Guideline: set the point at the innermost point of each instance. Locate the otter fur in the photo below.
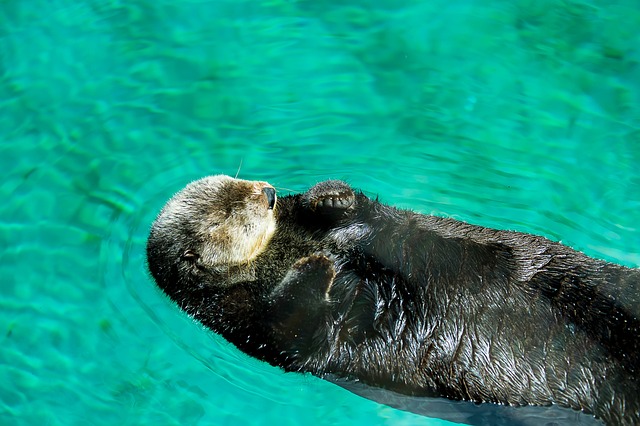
(334, 283)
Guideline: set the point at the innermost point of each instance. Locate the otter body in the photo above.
(333, 283)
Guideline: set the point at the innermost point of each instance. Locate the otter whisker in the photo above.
(239, 167)
(283, 188)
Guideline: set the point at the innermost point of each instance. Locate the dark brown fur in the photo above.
(421, 305)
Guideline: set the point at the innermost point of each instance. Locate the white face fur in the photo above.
(220, 221)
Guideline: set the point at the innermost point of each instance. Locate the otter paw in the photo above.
(300, 305)
(306, 285)
(330, 197)
(316, 267)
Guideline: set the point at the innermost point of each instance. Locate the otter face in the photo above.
(213, 224)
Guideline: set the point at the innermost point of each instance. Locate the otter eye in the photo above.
(190, 256)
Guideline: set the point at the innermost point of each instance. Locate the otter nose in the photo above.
(271, 196)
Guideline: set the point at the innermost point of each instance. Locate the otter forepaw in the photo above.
(308, 282)
(300, 302)
(299, 306)
(318, 269)
(330, 196)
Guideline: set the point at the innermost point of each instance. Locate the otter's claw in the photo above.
(330, 196)
(339, 201)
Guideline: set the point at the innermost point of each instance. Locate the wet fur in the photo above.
(417, 304)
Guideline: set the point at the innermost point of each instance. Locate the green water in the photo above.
(512, 114)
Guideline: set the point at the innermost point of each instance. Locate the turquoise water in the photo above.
(512, 114)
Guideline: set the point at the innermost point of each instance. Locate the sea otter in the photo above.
(332, 282)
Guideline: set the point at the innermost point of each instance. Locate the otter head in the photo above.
(209, 232)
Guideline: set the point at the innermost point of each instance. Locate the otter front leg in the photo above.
(299, 307)
(328, 201)
(329, 197)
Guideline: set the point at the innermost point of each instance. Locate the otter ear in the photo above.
(190, 255)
